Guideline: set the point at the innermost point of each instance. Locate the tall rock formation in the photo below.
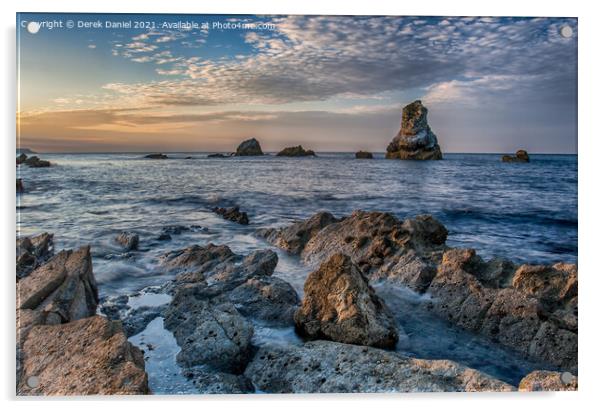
(415, 139)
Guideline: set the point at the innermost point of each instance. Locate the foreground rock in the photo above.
(32, 252)
(531, 309)
(329, 367)
(340, 305)
(233, 214)
(87, 357)
(215, 295)
(521, 157)
(363, 155)
(415, 139)
(61, 290)
(545, 381)
(35, 162)
(156, 156)
(128, 240)
(296, 151)
(250, 147)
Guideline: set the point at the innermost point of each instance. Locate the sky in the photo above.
(330, 83)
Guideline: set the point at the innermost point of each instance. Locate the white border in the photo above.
(590, 149)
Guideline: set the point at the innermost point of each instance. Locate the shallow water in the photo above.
(525, 212)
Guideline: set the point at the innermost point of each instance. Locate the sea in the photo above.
(526, 212)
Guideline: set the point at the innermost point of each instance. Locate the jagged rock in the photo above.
(86, 357)
(382, 246)
(128, 240)
(61, 290)
(250, 147)
(296, 151)
(521, 157)
(156, 156)
(233, 214)
(19, 187)
(35, 162)
(21, 158)
(210, 382)
(340, 305)
(269, 299)
(32, 252)
(544, 381)
(363, 155)
(293, 238)
(553, 285)
(415, 139)
(195, 258)
(209, 332)
(330, 367)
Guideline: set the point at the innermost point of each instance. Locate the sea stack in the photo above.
(415, 139)
(250, 147)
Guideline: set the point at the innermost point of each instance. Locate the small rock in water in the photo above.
(250, 147)
(156, 156)
(233, 214)
(21, 158)
(35, 162)
(128, 240)
(521, 157)
(363, 155)
(221, 155)
(32, 252)
(296, 151)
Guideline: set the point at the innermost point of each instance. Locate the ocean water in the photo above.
(524, 212)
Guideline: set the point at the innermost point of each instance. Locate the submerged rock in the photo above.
(35, 162)
(233, 214)
(296, 151)
(156, 156)
(330, 367)
(340, 305)
(250, 147)
(128, 240)
(363, 155)
(20, 188)
(86, 357)
(415, 139)
(32, 252)
(521, 156)
(546, 381)
(219, 155)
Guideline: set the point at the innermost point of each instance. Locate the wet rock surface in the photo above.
(250, 147)
(36, 162)
(330, 367)
(128, 240)
(530, 309)
(521, 156)
(340, 305)
(547, 381)
(415, 139)
(86, 357)
(296, 151)
(233, 214)
(32, 252)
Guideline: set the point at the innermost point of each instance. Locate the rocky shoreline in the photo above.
(218, 300)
